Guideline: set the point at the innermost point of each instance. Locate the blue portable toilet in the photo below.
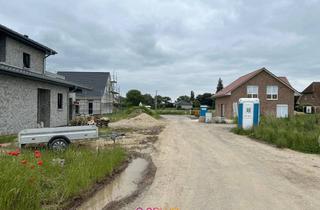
(203, 110)
(248, 112)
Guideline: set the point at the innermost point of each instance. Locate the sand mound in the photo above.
(141, 121)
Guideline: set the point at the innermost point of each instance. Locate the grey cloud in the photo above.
(175, 46)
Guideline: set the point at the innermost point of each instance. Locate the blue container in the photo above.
(248, 112)
(203, 110)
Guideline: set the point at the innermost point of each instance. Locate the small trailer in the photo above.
(57, 138)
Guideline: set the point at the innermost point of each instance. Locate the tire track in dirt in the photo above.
(204, 166)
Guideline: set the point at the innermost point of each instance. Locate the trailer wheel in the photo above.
(58, 144)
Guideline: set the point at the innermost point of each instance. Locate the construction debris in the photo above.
(103, 122)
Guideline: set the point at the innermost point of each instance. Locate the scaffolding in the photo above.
(115, 90)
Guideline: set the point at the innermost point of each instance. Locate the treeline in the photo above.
(135, 98)
(201, 99)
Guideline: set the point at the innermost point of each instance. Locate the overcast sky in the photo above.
(175, 46)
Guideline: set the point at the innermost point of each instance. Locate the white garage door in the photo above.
(282, 110)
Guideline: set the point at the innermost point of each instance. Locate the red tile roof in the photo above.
(235, 84)
(285, 80)
(313, 87)
(241, 80)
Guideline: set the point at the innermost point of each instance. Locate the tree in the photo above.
(183, 98)
(192, 96)
(205, 99)
(167, 101)
(170, 105)
(160, 103)
(220, 85)
(163, 101)
(134, 97)
(147, 99)
(196, 103)
(213, 103)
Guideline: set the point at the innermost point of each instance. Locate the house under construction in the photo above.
(102, 99)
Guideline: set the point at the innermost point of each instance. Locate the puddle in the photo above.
(124, 185)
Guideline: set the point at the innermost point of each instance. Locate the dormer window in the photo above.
(26, 60)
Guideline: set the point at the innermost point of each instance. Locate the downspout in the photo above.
(44, 61)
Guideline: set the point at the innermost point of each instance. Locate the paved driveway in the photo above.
(204, 166)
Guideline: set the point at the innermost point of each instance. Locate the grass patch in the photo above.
(130, 113)
(30, 186)
(172, 112)
(8, 138)
(299, 133)
(242, 132)
(105, 131)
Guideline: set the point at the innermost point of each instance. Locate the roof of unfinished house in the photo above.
(243, 79)
(47, 77)
(97, 81)
(25, 39)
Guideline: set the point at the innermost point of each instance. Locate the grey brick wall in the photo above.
(2, 47)
(18, 104)
(14, 55)
(84, 106)
(99, 106)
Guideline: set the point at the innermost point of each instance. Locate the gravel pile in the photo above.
(141, 121)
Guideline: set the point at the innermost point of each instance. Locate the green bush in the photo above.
(27, 185)
(300, 132)
(243, 132)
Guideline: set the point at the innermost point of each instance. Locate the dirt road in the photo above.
(204, 166)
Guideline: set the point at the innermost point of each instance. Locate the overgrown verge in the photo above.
(7, 138)
(172, 112)
(30, 181)
(299, 133)
(130, 113)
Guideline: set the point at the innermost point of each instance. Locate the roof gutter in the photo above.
(224, 95)
(40, 77)
(25, 39)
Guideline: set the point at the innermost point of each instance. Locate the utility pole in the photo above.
(156, 101)
(119, 99)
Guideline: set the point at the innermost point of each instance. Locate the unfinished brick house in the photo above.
(276, 95)
(310, 98)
